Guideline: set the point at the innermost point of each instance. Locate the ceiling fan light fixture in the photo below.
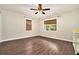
(40, 9)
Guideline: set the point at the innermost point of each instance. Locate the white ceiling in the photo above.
(55, 9)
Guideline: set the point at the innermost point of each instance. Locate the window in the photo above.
(50, 25)
(28, 24)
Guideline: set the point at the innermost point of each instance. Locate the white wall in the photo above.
(14, 26)
(0, 28)
(65, 25)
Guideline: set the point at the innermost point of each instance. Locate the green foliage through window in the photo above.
(50, 25)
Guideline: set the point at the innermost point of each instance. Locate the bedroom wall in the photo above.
(14, 26)
(0, 28)
(66, 23)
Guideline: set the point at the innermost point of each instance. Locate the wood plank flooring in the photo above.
(36, 46)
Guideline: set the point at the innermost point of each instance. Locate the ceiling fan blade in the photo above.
(43, 12)
(46, 9)
(33, 9)
(36, 12)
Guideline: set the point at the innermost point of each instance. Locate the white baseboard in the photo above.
(64, 39)
(59, 38)
(14, 38)
(33, 36)
(11, 39)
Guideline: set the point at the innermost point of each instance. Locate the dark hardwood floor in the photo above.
(36, 46)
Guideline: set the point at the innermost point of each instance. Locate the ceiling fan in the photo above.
(40, 9)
